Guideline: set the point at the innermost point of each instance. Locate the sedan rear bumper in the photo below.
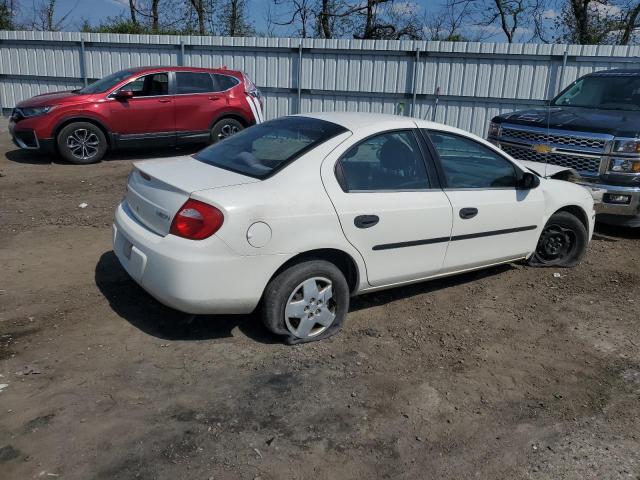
(199, 277)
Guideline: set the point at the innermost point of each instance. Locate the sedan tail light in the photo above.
(196, 220)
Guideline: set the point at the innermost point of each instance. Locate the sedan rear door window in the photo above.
(262, 150)
(193, 82)
(389, 161)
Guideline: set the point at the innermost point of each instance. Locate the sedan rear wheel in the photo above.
(562, 243)
(311, 308)
(307, 301)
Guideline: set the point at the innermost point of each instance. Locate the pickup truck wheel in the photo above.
(306, 302)
(82, 143)
(225, 128)
(563, 242)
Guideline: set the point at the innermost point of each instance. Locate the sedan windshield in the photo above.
(107, 82)
(608, 92)
(262, 150)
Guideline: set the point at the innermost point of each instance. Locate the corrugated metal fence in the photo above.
(458, 83)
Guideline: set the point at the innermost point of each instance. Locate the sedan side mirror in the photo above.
(123, 95)
(528, 181)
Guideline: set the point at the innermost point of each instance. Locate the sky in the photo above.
(96, 10)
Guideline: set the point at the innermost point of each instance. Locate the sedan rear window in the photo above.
(262, 150)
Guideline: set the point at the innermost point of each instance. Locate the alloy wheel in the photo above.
(227, 130)
(311, 308)
(83, 144)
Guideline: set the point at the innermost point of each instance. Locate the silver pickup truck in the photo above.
(592, 127)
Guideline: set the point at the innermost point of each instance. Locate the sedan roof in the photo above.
(366, 120)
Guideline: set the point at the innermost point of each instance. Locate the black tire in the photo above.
(563, 242)
(287, 285)
(225, 128)
(82, 143)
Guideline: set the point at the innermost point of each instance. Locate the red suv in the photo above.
(138, 106)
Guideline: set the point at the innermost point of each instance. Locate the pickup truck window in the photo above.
(607, 92)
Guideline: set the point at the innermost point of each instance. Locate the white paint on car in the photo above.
(304, 209)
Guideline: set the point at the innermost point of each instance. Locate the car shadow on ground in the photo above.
(382, 297)
(144, 312)
(28, 157)
(610, 233)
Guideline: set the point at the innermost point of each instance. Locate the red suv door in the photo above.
(198, 101)
(148, 115)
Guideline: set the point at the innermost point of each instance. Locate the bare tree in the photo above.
(320, 18)
(44, 16)
(155, 16)
(325, 17)
(132, 12)
(299, 13)
(594, 22)
(378, 19)
(630, 23)
(447, 24)
(233, 20)
(7, 14)
(335, 18)
(512, 16)
(508, 12)
(199, 9)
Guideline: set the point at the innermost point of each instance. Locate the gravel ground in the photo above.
(507, 373)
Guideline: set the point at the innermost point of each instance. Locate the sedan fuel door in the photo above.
(494, 219)
(390, 205)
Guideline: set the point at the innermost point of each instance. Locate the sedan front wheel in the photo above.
(562, 243)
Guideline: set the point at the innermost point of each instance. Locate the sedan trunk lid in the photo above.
(158, 188)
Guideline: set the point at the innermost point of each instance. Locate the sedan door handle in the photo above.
(467, 213)
(365, 221)
(214, 98)
(164, 100)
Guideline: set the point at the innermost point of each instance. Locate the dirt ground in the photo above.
(509, 373)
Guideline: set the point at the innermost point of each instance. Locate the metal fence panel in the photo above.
(462, 84)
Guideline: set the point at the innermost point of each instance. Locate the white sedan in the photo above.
(299, 213)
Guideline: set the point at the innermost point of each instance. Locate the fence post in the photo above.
(562, 69)
(83, 63)
(300, 77)
(414, 84)
(181, 61)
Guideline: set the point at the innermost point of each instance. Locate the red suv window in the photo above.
(149, 85)
(193, 82)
